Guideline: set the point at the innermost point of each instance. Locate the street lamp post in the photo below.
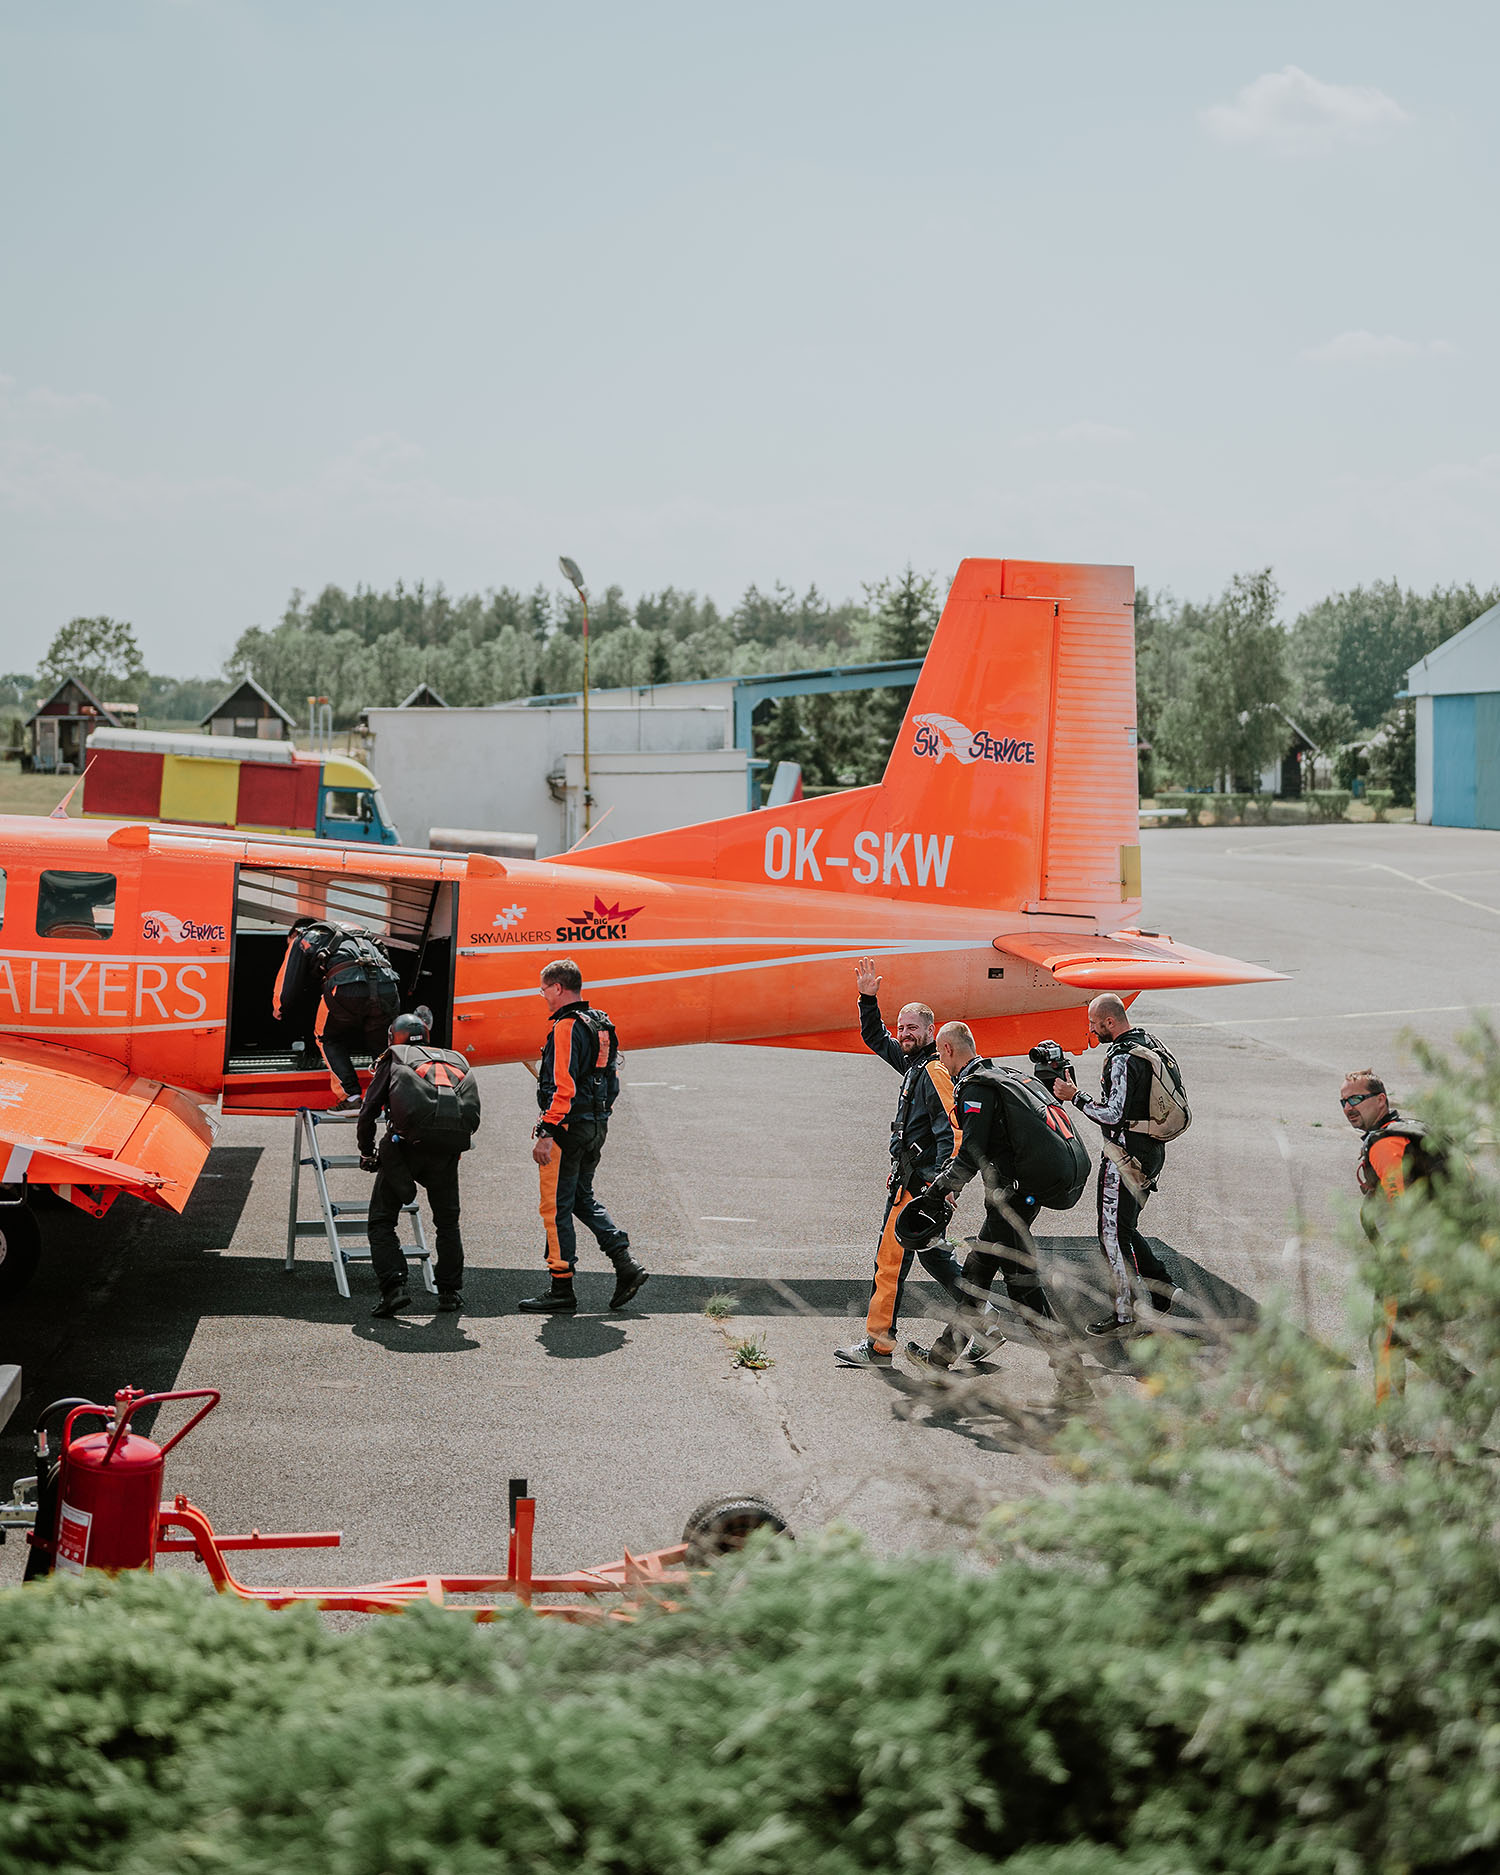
(575, 579)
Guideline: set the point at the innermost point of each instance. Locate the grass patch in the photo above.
(751, 1353)
(720, 1308)
(34, 794)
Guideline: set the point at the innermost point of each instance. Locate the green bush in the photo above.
(1380, 799)
(1194, 804)
(1254, 1632)
(1327, 803)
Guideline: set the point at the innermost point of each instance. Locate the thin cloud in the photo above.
(1373, 348)
(1296, 114)
(1089, 432)
(64, 403)
(1084, 431)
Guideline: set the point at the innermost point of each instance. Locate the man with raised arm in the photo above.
(922, 1141)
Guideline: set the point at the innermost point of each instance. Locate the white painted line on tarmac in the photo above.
(1346, 1015)
(706, 1219)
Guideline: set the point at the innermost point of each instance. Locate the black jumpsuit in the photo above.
(986, 1152)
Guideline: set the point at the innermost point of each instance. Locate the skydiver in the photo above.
(989, 1150)
(357, 991)
(1129, 1166)
(1395, 1155)
(578, 1083)
(431, 1102)
(922, 1140)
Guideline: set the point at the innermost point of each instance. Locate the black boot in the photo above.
(559, 1299)
(629, 1275)
(392, 1302)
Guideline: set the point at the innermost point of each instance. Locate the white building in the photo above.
(518, 768)
(1457, 693)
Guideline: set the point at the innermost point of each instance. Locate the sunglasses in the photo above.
(1356, 1100)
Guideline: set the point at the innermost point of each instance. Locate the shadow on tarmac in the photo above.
(96, 1317)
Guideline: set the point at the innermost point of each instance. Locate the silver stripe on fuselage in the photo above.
(716, 970)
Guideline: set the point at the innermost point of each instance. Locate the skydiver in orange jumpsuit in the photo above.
(1395, 1155)
(922, 1142)
(578, 1083)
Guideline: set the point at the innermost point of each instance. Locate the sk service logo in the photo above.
(597, 926)
(161, 927)
(940, 736)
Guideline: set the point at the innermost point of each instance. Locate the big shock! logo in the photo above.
(942, 736)
(597, 926)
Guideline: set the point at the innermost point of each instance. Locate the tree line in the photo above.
(1223, 686)
(1220, 681)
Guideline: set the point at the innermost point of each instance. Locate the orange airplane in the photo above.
(994, 873)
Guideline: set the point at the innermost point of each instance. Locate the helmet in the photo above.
(921, 1221)
(414, 1027)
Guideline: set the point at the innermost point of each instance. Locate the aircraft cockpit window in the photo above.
(76, 905)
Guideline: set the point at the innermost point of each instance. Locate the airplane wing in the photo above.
(92, 1129)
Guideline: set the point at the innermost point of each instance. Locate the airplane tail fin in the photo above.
(1012, 783)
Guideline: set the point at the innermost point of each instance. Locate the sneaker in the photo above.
(1110, 1327)
(628, 1280)
(555, 1302)
(862, 1354)
(351, 1103)
(1164, 1304)
(938, 1358)
(392, 1303)
(449, 1302)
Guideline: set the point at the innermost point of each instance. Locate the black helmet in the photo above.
(415, 1027)
(921, 1221)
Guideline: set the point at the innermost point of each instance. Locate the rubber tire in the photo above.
(20, 1249)
(723, 1525)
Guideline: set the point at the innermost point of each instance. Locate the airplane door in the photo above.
(179, 930)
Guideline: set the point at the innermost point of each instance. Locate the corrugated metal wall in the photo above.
(1092, 782)
(1466, 760)
(1453, 765)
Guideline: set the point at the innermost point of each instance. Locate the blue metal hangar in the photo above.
(1457, 693)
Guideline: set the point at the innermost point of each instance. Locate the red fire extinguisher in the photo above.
(108, 1486)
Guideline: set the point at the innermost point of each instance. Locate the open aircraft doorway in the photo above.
(273, 1066)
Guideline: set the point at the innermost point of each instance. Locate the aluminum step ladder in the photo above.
(340, 1216)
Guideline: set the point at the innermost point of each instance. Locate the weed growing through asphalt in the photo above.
(720, 1308)
(752, 1354)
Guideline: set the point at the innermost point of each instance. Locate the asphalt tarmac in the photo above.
(757, 1174)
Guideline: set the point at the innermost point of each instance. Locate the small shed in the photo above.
(424, 697)
(60, 726)
(1456, 688)
(1289, 771)
(249, 711)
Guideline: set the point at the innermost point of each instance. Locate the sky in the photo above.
(702, 295)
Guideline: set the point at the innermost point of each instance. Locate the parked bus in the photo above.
(232, 781)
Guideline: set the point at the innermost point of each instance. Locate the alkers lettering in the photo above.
(797, 854)
(104, 990)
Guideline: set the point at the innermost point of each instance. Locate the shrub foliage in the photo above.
(1257, 1629)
